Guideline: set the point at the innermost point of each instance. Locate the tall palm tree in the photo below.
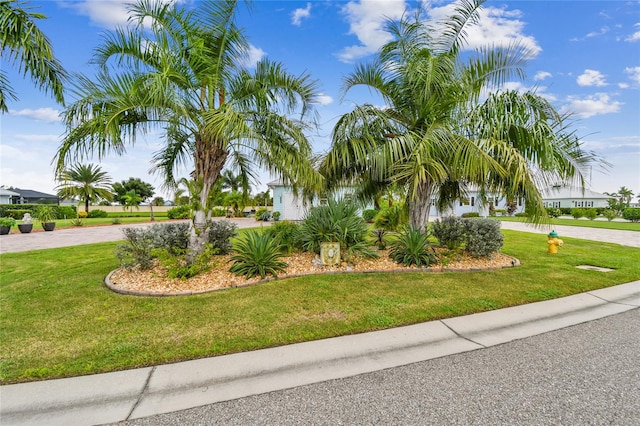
(625, 195)
(439, 134)
(86, 181)
(184, 76)
(23, 43)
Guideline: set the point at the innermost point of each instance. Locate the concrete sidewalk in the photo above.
(130, 394)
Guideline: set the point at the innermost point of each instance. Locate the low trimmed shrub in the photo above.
(257, 254)
(553, 212)
(470, 215)
(220, 234)
(391, 218)
(632, 214)
(577, 213)
(179, 212)
(483, 237)
(218, 212)
(82, 214)
(522, 214)
(591, 214)
(610, 214)
(98, 213)
(262, 214)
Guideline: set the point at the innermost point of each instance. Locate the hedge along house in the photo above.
(569, 197)
(291, 206)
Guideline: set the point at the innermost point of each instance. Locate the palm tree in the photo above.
(131, 199)
(23, 43)
(436, 137)
(625, 195)
(184, 76)
(86, 181)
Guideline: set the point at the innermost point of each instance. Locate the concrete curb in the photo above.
(123, 395)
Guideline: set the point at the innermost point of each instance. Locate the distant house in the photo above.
(6, 196)
(28, 196)
(292, 207)
(569, 197)
(473, 203)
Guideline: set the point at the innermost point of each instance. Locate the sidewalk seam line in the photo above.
(461, 336)
(144, 390)
(612, 301)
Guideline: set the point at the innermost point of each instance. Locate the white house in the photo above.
(473, 203)
(293, 207)
(5, 196)
(569, 197)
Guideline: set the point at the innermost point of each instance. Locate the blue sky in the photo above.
(586, 61)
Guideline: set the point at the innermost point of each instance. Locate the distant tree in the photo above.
(23, 43)
(625, 195)
(131, 199)
(158, 201)
(143, 189)
(85, 181)
(263, 199)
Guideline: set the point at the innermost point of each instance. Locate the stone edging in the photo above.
(514, 262)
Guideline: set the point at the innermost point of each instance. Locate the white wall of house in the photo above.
(567, 197)
(473, 203)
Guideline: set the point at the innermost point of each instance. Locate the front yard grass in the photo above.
(57, 319)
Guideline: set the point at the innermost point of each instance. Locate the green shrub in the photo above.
(577, 213)
(483, 237)
(285, 235)
(590, 214)
(337, 221)
(470, 215)
(522, 214)
(82, 214)
(142, 243)
(275, 215)
(98, 213)
(116, 221)
(7, 221)
(499, 212)
(177, 265)
(46, 213)
(566, 211)
(262, 214)
(218, 212)
(17, 214)
(220, 234)
(77, 221)
(632, 214)
(391, 218)
(179, 212)
(412, 248)
(610, 214)
(369, 215)
(553, 212)
(257, 254)
(450, 231)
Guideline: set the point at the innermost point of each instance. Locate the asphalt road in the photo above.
(587, 374)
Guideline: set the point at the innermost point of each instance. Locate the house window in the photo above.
(473, 200)
(464, 201)
(280, 198)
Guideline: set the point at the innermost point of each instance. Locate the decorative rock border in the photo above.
(107, 281)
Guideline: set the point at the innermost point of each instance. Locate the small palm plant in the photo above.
(412, 248)
(257, 254)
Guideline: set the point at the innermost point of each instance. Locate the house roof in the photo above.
(7, 192)
(29, 193)
(566, 192)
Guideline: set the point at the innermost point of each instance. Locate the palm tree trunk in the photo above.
(209, 159)
(419, 206)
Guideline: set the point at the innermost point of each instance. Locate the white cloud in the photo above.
(635, 36)
(634, 74)
(255, 54)
(366, 21)
(541, 75)
(591, 78)
(602, 31)
(299, 14)
(597, 104)
(48, 115)
(496, 27)
(324, 99)
(106, 13)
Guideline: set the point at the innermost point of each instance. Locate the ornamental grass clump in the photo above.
(285, 234)
(412, 248)
(257, 254)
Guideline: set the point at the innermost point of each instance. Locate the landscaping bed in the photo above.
(155, 281)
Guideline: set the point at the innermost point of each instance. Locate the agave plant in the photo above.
(257, 254)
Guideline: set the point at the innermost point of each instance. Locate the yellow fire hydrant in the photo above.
(554, 242)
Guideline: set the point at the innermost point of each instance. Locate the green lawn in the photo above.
(57, 318)
(605, 224)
